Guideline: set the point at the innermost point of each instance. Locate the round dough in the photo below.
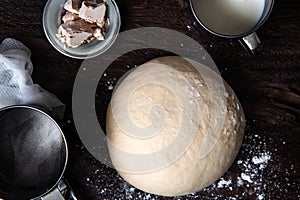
(172, 130)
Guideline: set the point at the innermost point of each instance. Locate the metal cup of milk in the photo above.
(233, 18)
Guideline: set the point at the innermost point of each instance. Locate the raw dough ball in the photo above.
(197, 126)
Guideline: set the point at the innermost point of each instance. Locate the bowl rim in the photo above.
(84, 56)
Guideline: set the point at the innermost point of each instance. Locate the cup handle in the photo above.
(63, 191)
(54, 195)
(251, 43)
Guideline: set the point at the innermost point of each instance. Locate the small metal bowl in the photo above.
(52, 20)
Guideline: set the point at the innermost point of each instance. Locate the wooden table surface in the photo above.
(268, 86)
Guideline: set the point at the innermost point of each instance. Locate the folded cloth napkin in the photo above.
(16, 85)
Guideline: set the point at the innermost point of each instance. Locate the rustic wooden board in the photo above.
(268, 86)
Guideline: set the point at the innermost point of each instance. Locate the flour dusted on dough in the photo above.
(168, 96)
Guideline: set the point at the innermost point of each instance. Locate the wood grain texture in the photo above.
(268, 86)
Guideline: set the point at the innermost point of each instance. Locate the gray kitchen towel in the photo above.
(16, 85)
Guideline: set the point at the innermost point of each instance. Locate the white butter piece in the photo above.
(70, 17)
(93, 14)
(75, 33)
(98, 34)
(83, 22)
(73, 6)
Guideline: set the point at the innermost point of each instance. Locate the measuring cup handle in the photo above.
(251, 43)
(63, 191)
(54, 195)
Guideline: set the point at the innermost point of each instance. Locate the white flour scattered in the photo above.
(261, 197)
(246, 177)
(262, 159)
(252, 171)
(110, 87)
(223, 183)
(253, 167)
(240, 182)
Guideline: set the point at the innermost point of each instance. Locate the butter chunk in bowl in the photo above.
(81, 29)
